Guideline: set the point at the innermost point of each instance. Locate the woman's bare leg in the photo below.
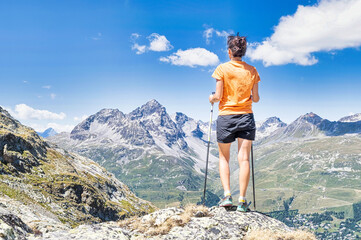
(224, 149)
(244, 149)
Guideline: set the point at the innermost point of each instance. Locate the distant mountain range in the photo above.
(162, 157)
(311, 125)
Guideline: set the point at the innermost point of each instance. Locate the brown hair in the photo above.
(237, 44)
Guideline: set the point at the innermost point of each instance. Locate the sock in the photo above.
(242, 199)
(227, 193)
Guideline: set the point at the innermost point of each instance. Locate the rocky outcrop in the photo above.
(46, 186)
(213, 223)
(12, 227)
(20, 146)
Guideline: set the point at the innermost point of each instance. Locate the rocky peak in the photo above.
(273, 120)
(105, 116)
(48, 133)
(310, 118)
(153, 106)
(353, 118)
(7, 121)
(269, 122)
(109, 115)
(4, 112)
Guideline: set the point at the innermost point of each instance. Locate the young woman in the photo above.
(236, 89)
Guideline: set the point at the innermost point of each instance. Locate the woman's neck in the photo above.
(236, 59)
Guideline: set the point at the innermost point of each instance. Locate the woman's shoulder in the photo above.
(250, 67)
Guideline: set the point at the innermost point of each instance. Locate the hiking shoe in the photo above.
(226, 202)
(244, 207)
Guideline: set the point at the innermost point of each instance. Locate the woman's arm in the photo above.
(219, 92)
(255, 95)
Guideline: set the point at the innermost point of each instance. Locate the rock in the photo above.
(217, 224)
(12, 227)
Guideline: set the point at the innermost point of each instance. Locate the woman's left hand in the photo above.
(211, 98)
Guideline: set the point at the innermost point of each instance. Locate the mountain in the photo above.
(47, 133)
(44, 187)
(353, 118)
(311, 125)
(159, 169)
(311, 161)
(268, 126)
(158, 156)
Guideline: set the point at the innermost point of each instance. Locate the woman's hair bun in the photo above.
(237, 44)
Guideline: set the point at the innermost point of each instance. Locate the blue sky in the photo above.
(63, 60)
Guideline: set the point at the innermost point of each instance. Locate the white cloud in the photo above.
(57, 127)
(208, 34)
(327, 26)
(134, 36)
(159, 43)
(140, 48)
(52, 95)
(82, 118)
(60, 128)
(24, 112)
(192, 57)
(25, 81)
(47, 87)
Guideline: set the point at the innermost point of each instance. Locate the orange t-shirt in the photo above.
(238, 79)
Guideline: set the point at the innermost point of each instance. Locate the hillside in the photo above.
(49, 188)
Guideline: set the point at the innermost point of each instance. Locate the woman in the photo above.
(236, 89)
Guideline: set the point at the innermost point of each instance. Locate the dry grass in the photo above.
(150, 228)
(277, 235)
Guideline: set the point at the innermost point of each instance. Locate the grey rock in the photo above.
(12, 227)
(219, 225)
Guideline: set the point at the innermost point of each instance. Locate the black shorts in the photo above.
(230, 127)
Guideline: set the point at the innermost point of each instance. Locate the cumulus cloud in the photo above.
(192, 57)
(327, 26)
(52, 95)
(80, 118)
(157, 43)
(25, 112)
(208, 34)
(134, 36)
(60, 127)
(140, 48)
(47, 87)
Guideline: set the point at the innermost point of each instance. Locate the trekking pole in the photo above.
(209, 142)
(254, 192)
